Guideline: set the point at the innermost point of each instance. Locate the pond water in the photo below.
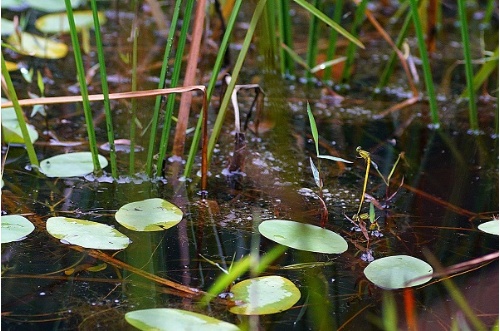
(445, 186)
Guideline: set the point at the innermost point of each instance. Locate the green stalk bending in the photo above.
(469, 76)
(211, 84)
(83, 89)
(161, 84)
(20, 115)
(236, 71)
(105, 90)
(429, 84)
(175, 80)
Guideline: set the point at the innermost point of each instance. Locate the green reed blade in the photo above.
(389, 67)
(285, 36)
(237, 68)
(133, 110)
(19, 115)
(429, 84)
(351, 49)
(332, 40)
(211, 84)
(469, 76)
(105, 90)
(316, 12)
(175, 80)
(83, 88)
(488, 67)
(312, 41)
(161, 84)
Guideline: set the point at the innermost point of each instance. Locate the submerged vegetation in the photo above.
(102, 99)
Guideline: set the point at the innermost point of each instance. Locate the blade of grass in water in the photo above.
(83, 88)
(312, 42)
(19, 115)
(285, 26)
(211, 84)
(163, 76)
(469, 76)
(237, 68)
(105, 90)
(351, 49)
(332, 40)
(429, 84)
(133, 110)
(175, 80)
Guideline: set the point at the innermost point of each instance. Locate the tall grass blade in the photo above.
(351, 49)
(236, 71)
(332, 40)
(174, 82)
(211, 84)
(161, 84)
(429, 84)
(133, 110)
(19, 115)
(310, 8)
(285, 36)
(83, 88)
(312, 42)
(105, 90)
(469, 76)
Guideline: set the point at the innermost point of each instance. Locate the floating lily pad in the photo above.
(15, 228)
(86, 233)
(490, 227)
(54, 23)
(398, 271)
(149, 215)
(7, 27)
(168, 319)
(304, 237)
(53, 5)
(29, 44)
(70, 165)
(264, 295)
(11, 130)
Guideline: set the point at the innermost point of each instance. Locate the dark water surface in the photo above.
(450, 186)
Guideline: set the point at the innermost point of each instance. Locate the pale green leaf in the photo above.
(149, 215)
(490, 227)
(70, 164)
(15, 228)
(334, 158)
(306, 237)
(264, 295)
(54, 23)
(86, 233)
(168, 319)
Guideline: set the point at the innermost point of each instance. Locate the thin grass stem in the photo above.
(133, 110)
(285, 25)
(469, 76)
(351, 49)
(105, 90)
(19, 115)
(429, 84)
(83, 89)
(332, 40)
(312, 42)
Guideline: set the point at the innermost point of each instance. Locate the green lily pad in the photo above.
(149, 215)
(70, 164)
(29, 44)
(398, 271)
(7, 27)
(168, 319)
(490, 227)
(15, 228)
(264, 295)
(11, 130)
(302, 236)
(53, 5)
(54, 23)
(87, 234)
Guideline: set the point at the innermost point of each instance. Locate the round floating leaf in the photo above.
(15, 228)
(301, 236)
(149, 215)
(398, 271)
(86, 233)
(264, 295)
(11, 129)
(54, 23)
(7, 27)
(490, 227)
(29, 44)
(70, 165)
(53, 5)
(167, 319)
